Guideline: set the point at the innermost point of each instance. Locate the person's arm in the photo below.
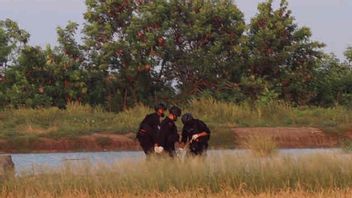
(205, 131)
(202, 134)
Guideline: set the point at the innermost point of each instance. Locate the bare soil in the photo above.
(94, 142)
(286, 137)
(290, 137)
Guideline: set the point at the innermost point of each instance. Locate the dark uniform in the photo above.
(195, 126)
(168, 136)
(147, 132)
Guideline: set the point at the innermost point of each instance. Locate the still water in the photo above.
(34, 162)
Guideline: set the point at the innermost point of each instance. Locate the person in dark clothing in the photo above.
(149, 127)
(167, 135)
(196, 132)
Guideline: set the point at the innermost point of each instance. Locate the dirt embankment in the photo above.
(286, 137)
(94, 142)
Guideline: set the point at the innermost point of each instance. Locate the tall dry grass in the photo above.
(272, 114)
(196, 193)
(217, 175)
(261, 145)
(25, 125)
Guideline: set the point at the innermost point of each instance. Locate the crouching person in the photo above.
(167, 135)
(149, 127)
(196, 132)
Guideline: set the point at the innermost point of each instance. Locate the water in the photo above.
(35, 162)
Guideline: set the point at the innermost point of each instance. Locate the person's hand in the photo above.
(180, 149)
(195, 137)
(158, 149)
(181, 145)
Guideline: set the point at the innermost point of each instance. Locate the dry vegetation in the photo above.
(261, 145)
(318, 175)
(23, 126)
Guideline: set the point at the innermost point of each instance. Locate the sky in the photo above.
(329, 20)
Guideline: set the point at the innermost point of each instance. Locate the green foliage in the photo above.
(348, 54)
(282, 53)
(114, 56)
(333, 83)
(197, 42)
(143, 52)
(12, 39)
(44, 78)
(5, 49)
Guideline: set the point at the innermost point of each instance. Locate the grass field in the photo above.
(25, 125)
(175, 194)
(313, 175)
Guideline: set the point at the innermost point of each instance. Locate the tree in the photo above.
(195, 44)
(113, 57)
(12, 39)
(348, 54)
(333, 82)
(50, 77)
(66, 61)
(23, 83)
(282, 53)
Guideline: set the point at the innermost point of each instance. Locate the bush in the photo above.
(347, 146)
(261, 145)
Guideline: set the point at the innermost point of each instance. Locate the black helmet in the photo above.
(186, 118)
(160, 106)
(175, 110)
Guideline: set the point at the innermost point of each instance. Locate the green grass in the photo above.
(274, 114)
(75, 121)
(21, 126)
(221, 173)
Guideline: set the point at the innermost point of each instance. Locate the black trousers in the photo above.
(147, 143)
(198, 148)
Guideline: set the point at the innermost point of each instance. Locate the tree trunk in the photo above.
(125, 95)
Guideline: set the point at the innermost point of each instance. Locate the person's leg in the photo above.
(147, 144)
(198, 148)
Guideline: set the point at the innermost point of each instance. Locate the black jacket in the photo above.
(167, 135)
(193, 127)
(149, 126)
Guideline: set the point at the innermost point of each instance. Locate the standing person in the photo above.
(195, 131)
(168, 136)
(149, 127)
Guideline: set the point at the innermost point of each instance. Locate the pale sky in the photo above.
(329, 20)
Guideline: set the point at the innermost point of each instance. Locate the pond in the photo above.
(34, 162)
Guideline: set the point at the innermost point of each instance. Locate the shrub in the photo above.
(261, 145)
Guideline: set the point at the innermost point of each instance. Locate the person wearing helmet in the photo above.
(196, 132)
(149, 127)
(167, 135)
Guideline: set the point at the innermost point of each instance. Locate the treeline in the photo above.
(144, 51)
